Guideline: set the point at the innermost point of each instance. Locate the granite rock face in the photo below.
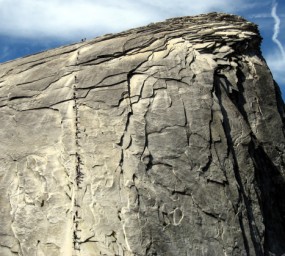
(161, 140)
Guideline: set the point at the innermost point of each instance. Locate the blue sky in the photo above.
(30, 26)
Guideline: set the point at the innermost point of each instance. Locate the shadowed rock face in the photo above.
(162, 140)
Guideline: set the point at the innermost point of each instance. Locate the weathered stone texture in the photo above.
(162, 140)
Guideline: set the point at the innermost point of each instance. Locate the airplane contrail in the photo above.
(277, 29)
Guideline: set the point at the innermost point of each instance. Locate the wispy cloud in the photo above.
(277, 29)
(70, 19)
(276, 57)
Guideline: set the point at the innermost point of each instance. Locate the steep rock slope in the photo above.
(162, 140)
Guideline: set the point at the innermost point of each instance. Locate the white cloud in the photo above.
(276, 30)
(55, 18)
(276, 58)
(69, 19)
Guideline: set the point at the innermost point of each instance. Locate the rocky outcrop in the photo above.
(162, 140)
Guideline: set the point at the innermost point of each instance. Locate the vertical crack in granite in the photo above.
(161, 140)
(78, 169)
(243, 198)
